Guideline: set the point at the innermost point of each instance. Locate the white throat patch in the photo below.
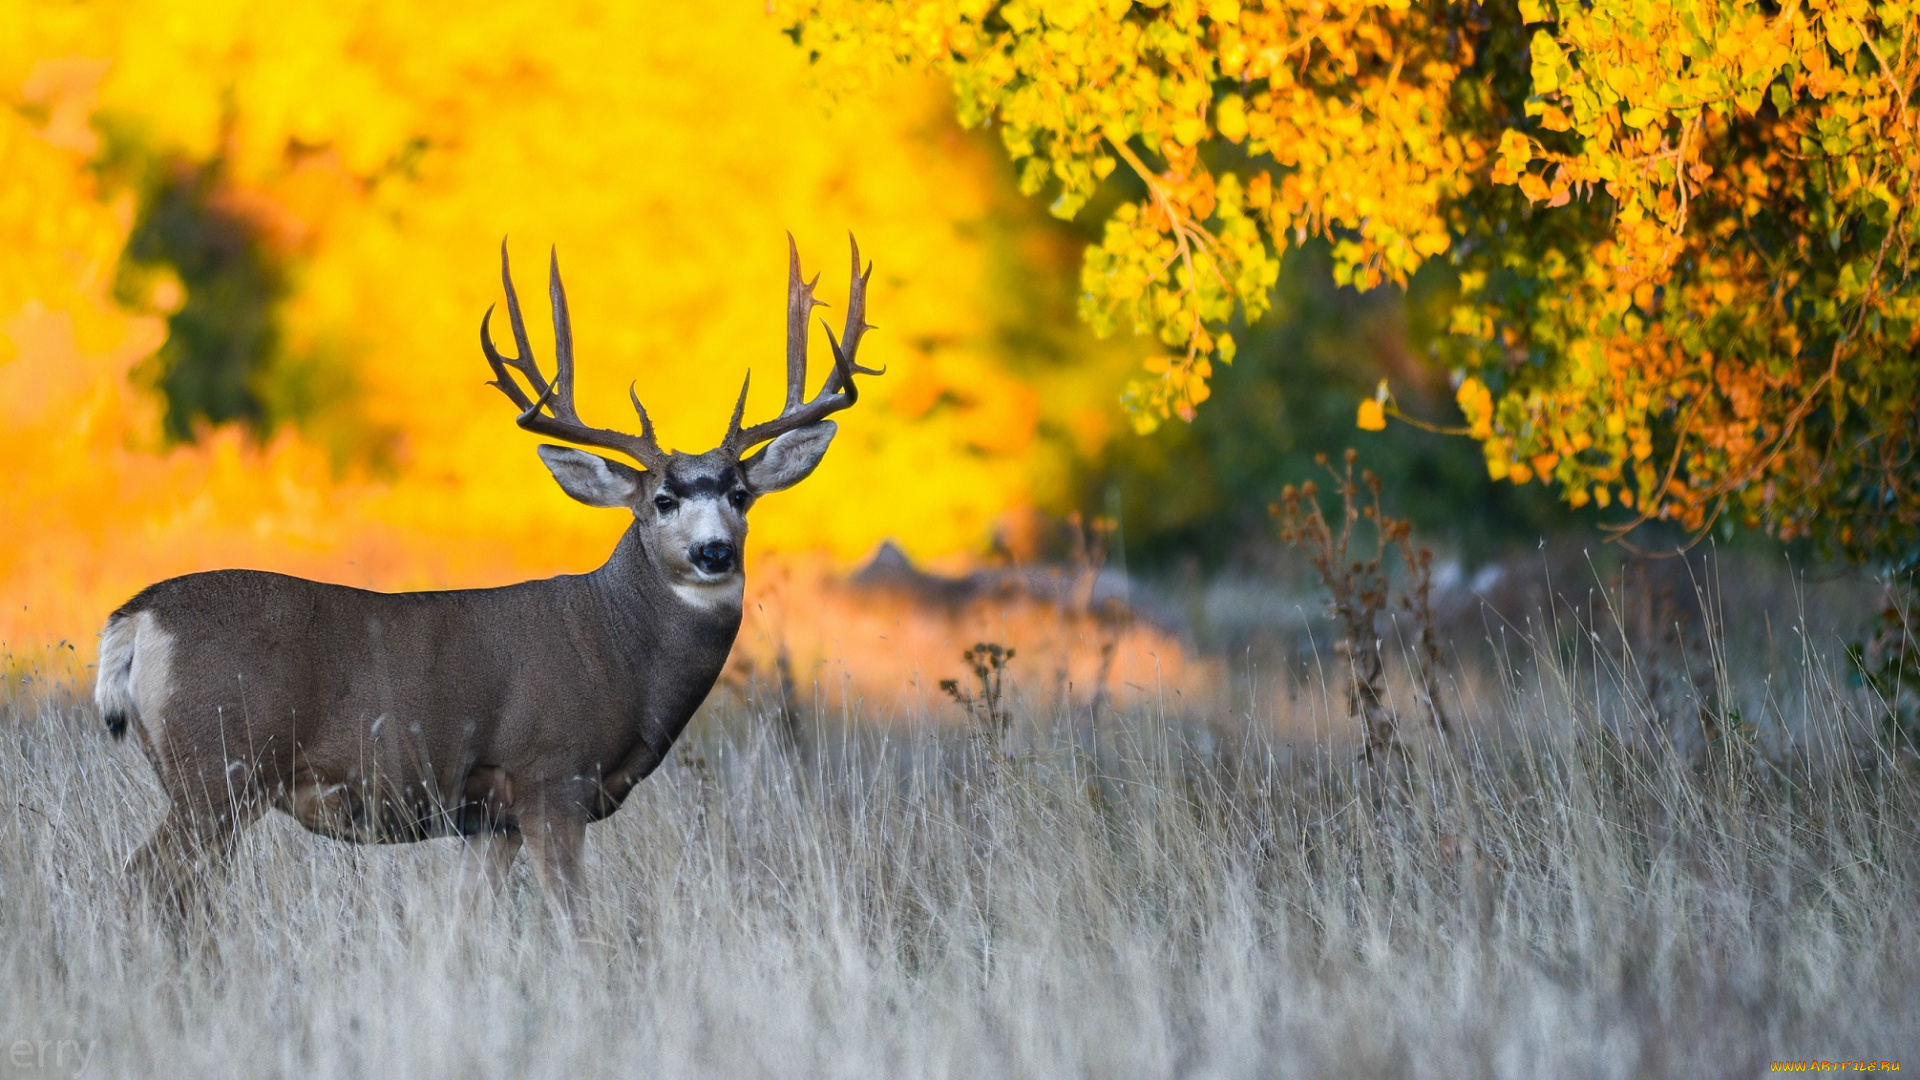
(707, 596)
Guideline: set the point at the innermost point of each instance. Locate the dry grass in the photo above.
(1157, 896)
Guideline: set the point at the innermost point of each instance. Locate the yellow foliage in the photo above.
(1730, 248)
(384, 148)
(1762, 159)
(1346, 99)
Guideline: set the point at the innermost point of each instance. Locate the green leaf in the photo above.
(1067, 205)
(1548, 60)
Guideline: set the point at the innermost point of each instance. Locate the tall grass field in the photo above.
(1567, 884)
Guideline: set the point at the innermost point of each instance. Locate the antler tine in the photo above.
(501, 380)
(838, 391)
(800, 305)
(856, 325)
(560, 420)
(562, 341)
(739, 410)
(646, 422)
(524, 361)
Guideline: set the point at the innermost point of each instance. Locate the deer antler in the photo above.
(839, 391)
(559, 421)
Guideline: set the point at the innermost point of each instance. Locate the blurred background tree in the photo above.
(247, 249)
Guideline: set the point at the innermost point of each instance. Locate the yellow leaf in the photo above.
(1843, 35)
(1547, 62)
(1432, 243)
(1230, 117)
(1372, 417)
(1224, 11)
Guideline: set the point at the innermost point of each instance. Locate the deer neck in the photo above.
(676, 617)
(673, 650)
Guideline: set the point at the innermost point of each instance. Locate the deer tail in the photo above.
(113, 685)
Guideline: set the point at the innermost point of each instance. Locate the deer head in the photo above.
(692, 507)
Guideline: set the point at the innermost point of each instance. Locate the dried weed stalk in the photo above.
(987, 709)
(1360, 593)
(1092, 545)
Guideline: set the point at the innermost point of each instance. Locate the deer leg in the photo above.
(172, 866)
(495, 851)
(501, 848)
(158, 867)
(488, 800)
(555, 839)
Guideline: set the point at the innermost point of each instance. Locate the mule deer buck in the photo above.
(503, 715)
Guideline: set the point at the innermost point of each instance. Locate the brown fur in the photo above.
(525, 711)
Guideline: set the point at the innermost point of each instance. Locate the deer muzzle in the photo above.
(714, 557)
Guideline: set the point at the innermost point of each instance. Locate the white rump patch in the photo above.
(151, 678)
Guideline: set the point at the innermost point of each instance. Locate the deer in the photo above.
(505, 716)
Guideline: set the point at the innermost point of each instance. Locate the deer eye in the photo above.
(665, 503)
(738, 497)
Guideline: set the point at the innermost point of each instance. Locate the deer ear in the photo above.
(788, 459)
(591, 478)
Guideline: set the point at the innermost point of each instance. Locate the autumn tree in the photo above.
(1682, 230)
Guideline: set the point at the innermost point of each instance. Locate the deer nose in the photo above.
(713, 557)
